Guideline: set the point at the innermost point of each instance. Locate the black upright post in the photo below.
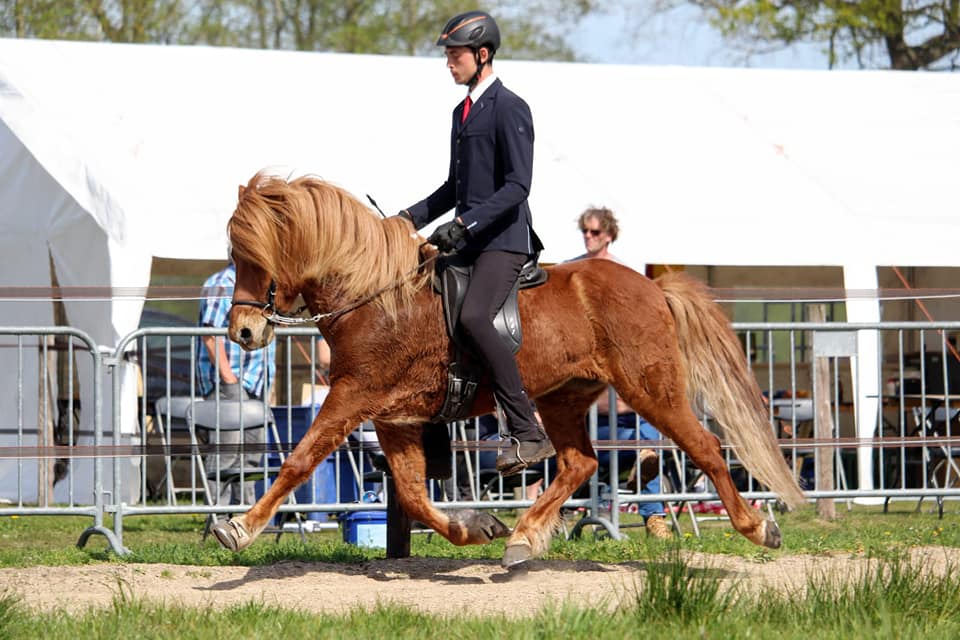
(398, 524)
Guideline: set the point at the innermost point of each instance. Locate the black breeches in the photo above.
(494, 273)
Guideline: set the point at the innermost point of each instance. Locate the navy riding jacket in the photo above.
(491, 167)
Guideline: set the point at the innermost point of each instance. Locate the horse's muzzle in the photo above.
(250, 330)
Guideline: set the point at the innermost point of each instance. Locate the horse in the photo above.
(665, 345)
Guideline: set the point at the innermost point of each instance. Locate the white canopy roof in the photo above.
(703, 166)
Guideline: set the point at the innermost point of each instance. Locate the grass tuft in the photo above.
(672, 589)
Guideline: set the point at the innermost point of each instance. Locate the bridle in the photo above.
(269, 310)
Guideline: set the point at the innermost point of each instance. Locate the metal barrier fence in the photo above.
(854, 423)
(54, 447)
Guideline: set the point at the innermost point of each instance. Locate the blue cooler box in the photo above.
(365, 528)
(321, 487)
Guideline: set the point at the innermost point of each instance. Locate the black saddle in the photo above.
(451, 277)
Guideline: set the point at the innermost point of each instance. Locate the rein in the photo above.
(269, 310)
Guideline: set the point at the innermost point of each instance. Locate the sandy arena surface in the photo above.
(426, 584)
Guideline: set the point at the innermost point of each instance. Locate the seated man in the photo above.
(645, 472)
(243, 375)
(600, 228)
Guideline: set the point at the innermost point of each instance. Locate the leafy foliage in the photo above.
(912, 34)
(532, 29)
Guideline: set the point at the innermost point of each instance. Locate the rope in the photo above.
(150, 450)
(923, 308)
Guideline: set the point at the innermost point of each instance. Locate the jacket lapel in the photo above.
(486, 102)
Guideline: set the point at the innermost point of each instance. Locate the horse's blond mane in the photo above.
(309, 229)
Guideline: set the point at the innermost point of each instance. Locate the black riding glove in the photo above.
(406, 215)
(447, 236)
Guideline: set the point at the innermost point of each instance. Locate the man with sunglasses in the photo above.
(491, 167)
(600, 228)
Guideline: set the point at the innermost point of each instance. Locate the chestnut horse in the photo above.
(662, 345)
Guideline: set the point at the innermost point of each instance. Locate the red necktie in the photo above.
(466, 110)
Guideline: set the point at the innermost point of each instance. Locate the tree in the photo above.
(532, 29)
(913, 34)
(138, 20)
(42, 18)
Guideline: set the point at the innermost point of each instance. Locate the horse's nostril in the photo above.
(246, 334)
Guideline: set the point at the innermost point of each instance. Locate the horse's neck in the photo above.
(424, 306)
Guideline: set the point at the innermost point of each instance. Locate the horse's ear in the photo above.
(240, 190)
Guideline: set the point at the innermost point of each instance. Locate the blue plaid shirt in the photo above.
(256, 369)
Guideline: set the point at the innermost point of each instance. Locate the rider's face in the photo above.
(461, 63)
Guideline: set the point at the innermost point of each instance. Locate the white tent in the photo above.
(112, 154)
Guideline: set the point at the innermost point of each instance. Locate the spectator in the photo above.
(243, 375)
(599, 228)
(491, 168)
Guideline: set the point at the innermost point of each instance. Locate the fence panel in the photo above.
(891, 439)
(51, 428)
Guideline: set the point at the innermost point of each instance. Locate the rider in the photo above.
(491, 163)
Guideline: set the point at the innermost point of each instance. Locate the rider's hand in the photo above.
(447, 236)
(403, 213)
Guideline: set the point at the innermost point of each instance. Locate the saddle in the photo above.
(450, 281)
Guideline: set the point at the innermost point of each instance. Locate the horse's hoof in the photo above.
(488, 525)
(232, 535)
(482, 526)
(516, 554)
(771, 536)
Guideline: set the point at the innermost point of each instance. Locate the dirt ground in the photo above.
(426, 584)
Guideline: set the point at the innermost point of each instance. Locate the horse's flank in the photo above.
(278, 226)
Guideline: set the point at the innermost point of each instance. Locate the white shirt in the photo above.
(481, 87)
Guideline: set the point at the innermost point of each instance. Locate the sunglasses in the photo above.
(592, 232)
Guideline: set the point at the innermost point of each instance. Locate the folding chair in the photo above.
(942, 461)
(171, 417)
(232, 426)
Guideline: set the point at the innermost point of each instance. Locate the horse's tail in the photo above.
(717, 374)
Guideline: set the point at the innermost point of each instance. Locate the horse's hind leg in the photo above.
(677, 421)
(563, 414)
(403, 447)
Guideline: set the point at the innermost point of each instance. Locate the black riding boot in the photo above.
(527, 444)
(494, 274)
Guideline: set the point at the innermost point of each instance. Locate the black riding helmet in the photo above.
(474, 29)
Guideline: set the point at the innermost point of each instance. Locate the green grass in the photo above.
(51, 540)
(891, 599)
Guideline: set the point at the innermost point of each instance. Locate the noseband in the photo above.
(269, 310)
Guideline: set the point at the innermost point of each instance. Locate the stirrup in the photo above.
(516, 445)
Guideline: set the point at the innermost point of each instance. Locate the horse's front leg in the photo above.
(337, 418)
(402, 445)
